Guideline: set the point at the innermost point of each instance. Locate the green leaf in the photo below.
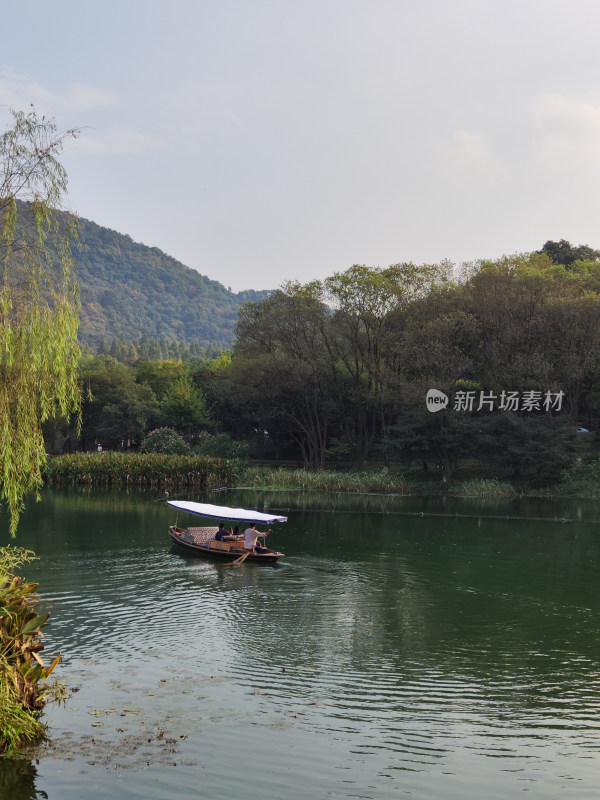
(35, 623)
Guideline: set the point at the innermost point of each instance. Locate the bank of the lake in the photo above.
(24, 675)
(198, 473)
(194, 472)
(435, 646)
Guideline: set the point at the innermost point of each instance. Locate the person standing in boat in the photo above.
(251, 536)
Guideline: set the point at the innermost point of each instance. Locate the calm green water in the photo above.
(389, 654)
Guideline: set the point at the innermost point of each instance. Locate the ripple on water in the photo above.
(366, 667)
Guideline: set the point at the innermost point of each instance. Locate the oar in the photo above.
(240, 559)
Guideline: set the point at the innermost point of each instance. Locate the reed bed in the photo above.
(485, 487)
(142, 469)
(377, 481)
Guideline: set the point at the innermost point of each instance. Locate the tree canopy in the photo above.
(38, 302)
(341, 369)
(563, 252)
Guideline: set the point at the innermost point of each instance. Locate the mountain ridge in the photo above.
(130, 290)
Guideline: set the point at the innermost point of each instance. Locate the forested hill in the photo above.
(129, 291)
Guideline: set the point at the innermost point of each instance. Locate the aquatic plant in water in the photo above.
(380, 481)
(486, 487)
(141, 469)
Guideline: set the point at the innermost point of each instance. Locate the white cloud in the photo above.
(113, 141)
(20, 92)
(80, 97)
(568, 131)
(469, 154)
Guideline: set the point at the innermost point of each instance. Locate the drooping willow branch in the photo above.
(39, 302)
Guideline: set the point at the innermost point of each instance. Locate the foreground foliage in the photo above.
(21, 665)
(38, 303)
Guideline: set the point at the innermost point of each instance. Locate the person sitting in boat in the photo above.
(251, 536)
(223, 535)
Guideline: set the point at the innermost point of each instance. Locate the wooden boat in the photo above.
(201, 540)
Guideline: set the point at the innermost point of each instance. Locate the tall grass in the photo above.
(485, 487)
(142, 469)
(18, 725)
(380, 481)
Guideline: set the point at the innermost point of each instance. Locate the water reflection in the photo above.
(387, 650)
(18, 779)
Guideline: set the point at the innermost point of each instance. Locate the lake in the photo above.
(428, 647)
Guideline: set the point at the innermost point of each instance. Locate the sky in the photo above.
(261, 141)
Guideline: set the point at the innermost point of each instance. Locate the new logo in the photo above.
(436, 400)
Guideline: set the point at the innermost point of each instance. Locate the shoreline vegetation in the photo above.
(111, 468)
(23, 691)
(204, 473)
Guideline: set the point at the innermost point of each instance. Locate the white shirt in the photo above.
(250, 537)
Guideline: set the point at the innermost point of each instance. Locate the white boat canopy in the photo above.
(222, 512)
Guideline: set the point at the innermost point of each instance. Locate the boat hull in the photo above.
(205, 550)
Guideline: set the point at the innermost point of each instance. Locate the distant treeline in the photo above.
(148, 349)
(340, 369)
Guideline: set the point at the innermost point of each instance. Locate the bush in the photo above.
(221, 445)
(580, 481)
(165, 440)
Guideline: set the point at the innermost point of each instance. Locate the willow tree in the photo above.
(38, 302)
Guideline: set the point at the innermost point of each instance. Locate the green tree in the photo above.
(160, 375)
(283, 368)
(116, 407)
(370, 305)
(38, 302)
(182, 407)
(564, 253)
(538, 447)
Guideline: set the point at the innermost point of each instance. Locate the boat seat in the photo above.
(216, 545)
(202, 535)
